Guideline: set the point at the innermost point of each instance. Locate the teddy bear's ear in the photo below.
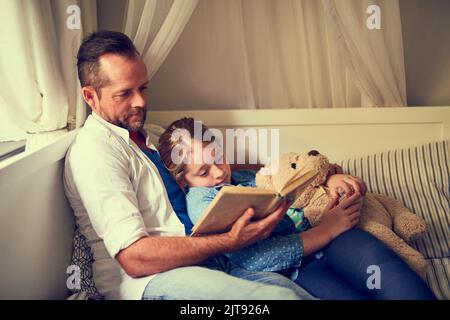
(317, 162)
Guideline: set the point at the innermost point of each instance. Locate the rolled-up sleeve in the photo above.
(101, 175)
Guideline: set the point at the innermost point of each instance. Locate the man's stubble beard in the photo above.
(136, 125)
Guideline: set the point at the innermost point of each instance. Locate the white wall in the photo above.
(36, 224)
(426, 42)
(110, 14)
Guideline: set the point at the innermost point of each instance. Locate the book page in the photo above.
(295, 177)
(298, 185)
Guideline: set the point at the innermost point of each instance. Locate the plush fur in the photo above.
(384, 217)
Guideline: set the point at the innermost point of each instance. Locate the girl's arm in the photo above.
(337, 219)
(277, 253)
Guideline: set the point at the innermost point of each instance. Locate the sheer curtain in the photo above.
(374, 58)
(155, 25)
(279, 54)
(69, 42)
(39, 89)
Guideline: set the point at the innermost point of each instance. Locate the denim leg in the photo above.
(199, 283)
(321, 281)
(352, 253)
(270, 278)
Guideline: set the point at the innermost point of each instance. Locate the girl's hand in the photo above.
(345, 183)
(338, 218)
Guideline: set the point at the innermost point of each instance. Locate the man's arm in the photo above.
(150, 255)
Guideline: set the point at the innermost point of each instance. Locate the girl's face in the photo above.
(202, 173)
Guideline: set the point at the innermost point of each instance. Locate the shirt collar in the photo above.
(123, 132)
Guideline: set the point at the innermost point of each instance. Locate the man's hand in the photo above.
(245, 232)
(345, 183)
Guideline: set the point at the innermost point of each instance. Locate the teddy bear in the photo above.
(382, 216)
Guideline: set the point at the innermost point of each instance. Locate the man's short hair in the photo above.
(93, 47)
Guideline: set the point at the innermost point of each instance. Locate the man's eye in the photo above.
(143, 88)
(203, 174)
(125, 93)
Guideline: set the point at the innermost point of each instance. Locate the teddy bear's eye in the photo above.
(293, 166)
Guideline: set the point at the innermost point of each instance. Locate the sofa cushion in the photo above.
(438, 277)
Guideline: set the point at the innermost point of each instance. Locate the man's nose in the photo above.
(139, 100)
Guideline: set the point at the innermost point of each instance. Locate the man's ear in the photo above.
(91, 97)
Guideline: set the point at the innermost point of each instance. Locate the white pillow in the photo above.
(154, 131)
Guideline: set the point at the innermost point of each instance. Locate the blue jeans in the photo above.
(344, 271)
(220, 279)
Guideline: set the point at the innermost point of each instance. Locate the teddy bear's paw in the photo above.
(409, 226)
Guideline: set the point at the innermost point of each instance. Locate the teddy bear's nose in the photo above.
(313, 153)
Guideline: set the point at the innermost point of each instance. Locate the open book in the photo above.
(231, 202)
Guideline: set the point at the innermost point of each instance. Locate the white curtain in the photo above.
(374, 57)
(69, 41)
(275, 54)
(39, 90)
(155, 25)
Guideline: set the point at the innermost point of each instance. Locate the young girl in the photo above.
(331, 260)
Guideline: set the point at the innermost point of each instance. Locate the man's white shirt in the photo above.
(118, 197)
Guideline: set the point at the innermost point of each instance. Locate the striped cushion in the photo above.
(419, 178)
(438, 277)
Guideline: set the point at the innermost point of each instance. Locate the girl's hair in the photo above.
(168, 141)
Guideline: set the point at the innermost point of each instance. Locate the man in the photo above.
(121, 204)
